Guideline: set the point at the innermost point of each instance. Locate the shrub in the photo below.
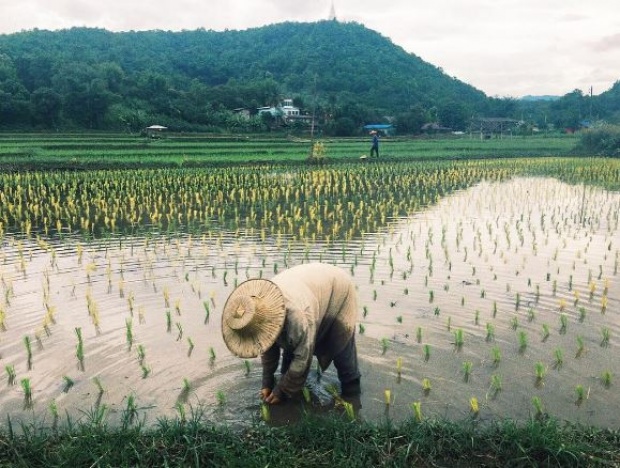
(603, 141)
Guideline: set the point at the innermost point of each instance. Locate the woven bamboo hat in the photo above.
(253, 317)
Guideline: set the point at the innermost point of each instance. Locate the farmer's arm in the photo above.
(269, 360)
(300, 338)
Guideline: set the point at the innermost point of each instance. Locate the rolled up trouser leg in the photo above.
(347, 368)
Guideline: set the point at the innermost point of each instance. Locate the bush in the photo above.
(604, 141)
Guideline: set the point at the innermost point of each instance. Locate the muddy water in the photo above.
(525, 270)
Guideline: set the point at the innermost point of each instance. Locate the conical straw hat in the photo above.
(253, 317)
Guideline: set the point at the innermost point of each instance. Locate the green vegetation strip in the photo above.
(315, 441)
(120, 151)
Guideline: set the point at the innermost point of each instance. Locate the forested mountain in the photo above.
(193, 80)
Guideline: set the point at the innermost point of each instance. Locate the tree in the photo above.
(45, 107)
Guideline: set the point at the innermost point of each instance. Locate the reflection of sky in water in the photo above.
(511, 257)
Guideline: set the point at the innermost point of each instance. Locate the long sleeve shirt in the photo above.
(321, 311)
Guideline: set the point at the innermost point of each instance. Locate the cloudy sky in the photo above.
(506, 48)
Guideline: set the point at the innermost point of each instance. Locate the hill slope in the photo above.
(98, 79)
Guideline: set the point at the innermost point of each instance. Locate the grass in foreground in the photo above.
(314, 442)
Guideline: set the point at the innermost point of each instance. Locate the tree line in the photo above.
(343, 73)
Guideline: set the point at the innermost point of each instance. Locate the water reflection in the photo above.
(463, 299)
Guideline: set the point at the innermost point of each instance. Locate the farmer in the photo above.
(375, 144)
(307, 310)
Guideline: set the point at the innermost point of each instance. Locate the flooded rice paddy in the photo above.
(501, 300)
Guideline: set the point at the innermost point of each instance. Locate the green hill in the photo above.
(93, 78)
(345, 74)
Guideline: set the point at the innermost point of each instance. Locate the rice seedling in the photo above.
(190, 344)
(558, 355)
(349, 410)
(531, 315)
(364, 311)
(517, 301)
(384, 345)
(426, 350)
(417, 410)
(606, 379)
(179, 326)
(10, 372)
(79, 351)
(467, 367)
(490, 332)
(130, 413)
(177, 306)
(28, 346)
(27, 388)
(247, 366)
(474, 408)
(458, 339)
(128, 333)
(306, 394)
(604, 304)
(387, 396)
(580, 394)
(545, 332)
(211, 354)
(431, 296)
(399, 319)
(399, 366)
(580, 347)
(130, 302)
(563, 323)
(186, 385)
(426, 386)
(605, 332)
(514, 323)
(98, 384)
(68, 383)
(538, 407)
(166, 294)
(437, 310)
(582, 314)
(207, 309)
(496, 384)
(141, 354)
(576, 300)
(220, 396)
(418, 334)
(477, 317)
(145, 370)
(265, 412)
(540, 372)
(168, 321)
(522, 341)
(496, 355)
(449, 324)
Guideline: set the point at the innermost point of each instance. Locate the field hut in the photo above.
(155, 131)
(383, 129)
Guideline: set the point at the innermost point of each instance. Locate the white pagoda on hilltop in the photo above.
(332, 13)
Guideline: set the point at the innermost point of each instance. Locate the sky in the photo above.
(505, 48)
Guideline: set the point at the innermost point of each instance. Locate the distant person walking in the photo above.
(374, 149)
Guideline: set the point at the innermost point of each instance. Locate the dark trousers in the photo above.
(345, 362)
(374, 150)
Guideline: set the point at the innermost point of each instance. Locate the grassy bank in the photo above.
(326, 441)
(102, 150)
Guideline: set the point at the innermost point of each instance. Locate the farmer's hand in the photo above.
(264, 393)
(272, 399)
